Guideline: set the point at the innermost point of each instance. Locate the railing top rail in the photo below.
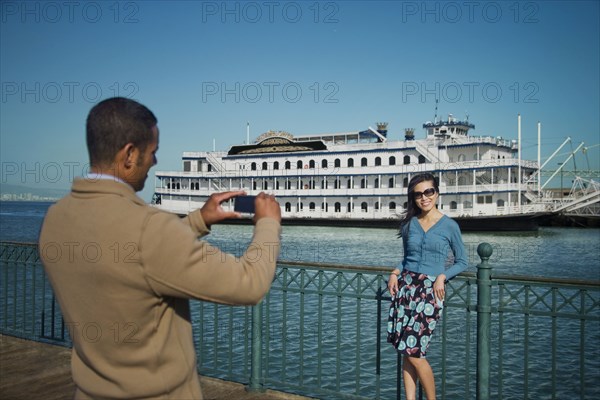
(331, 266)
(375, 269)
(28, 244)
(594, 284)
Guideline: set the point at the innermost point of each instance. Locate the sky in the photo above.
(207, 69)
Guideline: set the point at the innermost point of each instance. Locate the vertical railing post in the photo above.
(256, 381)
(484, 321)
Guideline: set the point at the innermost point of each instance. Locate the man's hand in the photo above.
(213, 213)
(266, 206)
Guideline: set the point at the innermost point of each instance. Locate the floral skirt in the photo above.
(414, 313)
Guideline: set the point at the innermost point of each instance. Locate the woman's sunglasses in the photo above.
(427, 192)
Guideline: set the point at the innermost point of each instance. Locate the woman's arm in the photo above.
(461, 259)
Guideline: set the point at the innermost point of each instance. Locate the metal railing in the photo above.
(321, 332)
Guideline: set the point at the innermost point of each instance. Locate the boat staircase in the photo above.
(424, 150)
(531, 195)
(218, 169)
(483, 181)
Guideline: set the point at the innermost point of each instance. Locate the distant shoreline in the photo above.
(29, 201)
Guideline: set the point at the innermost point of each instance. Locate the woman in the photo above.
(417, 286)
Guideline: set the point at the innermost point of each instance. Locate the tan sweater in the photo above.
(123, 273)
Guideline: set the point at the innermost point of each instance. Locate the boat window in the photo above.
(391, 183)
(350, 162)
(392, 160)
(422, 159)
(311, 206)
(467, 204)
(299, 164)
(350, 184)
(461, 157)
(337, 163)
(265, 185)
(392, 205)
(405, 183)
(406, 160)
(276, 165)
(253, 166)
(288, 185)
(364, 207)
(377, 205)
(324, 164)
(376, 184)
(377, 161)
(500, 203)
(363, 162)
(254, 185)
(336, 184)
(288, 165)
(187, 166)
(265, 166)
(453, 205)
(311, 164)
(288, 207)
(276, 185)
(363, 183)
(337, 207)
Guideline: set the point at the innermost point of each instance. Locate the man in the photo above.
(123, 272)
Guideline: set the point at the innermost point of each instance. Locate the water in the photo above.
(548, 252)
(21, 221)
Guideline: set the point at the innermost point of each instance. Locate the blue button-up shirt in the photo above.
(440, 250)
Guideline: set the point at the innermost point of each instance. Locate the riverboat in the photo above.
(360, 178)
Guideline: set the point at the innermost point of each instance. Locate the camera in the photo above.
(244, 204)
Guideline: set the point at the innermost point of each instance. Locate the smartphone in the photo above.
(244, 204)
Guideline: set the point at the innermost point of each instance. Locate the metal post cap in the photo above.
(484, 250)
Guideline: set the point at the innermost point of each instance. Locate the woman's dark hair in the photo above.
(412, 209)
(113, 123)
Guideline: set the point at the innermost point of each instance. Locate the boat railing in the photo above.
(235, 171)
(321, 330)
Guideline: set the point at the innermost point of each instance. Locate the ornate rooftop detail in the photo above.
(271, 133)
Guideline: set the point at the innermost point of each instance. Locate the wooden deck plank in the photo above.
(31, 370)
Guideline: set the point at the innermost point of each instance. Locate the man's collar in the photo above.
(94, 176)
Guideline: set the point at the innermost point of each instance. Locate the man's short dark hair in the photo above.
(113, 123)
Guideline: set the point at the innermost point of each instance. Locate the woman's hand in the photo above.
(439, 287)
(393, 283)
